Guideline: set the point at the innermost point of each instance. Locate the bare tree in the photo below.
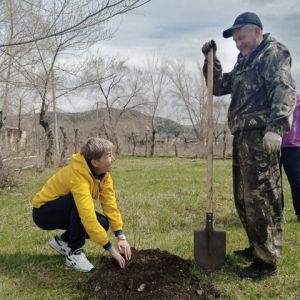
(157, 82)
(86, 14)
(219, 117)
(188, 96)
(9, 55)
(224, 143)
(63, 158)
(134, 142)
(1, 154)
(119, 90)
(69, 25)
(76, 143)
(176, 134)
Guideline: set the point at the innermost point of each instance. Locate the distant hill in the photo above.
(131, 121)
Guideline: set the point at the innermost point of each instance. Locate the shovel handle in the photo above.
(209, 229)
(210, 131)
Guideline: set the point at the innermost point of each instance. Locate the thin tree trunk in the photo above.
(146, 150)
(50, 138)
(1, 148)
(64, 147)
(55, 113)
(134, 143)
(224, 145)
(152, 143)
(176, 134)
(76, 140)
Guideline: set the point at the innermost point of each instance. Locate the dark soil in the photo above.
(151, 274)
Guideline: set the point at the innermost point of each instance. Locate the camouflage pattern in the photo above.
(261, 86)
(257, 193)
(263, 98)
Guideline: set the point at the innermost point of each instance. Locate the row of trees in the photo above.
(35, 36)
(46, 58)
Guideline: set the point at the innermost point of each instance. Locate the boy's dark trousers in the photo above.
(62, 214)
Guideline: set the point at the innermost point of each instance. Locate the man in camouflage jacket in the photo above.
(262, 101)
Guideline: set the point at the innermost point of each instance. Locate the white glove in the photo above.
(272, 141)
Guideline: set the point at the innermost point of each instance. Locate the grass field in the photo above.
(162, 201)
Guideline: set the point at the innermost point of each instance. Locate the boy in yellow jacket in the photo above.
(66, 202)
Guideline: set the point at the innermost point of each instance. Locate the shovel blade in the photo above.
(209, 249)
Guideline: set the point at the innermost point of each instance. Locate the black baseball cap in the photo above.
(241, 20)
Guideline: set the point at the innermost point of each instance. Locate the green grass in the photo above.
(162, 201)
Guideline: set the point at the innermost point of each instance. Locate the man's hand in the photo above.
(208, 46)
(272, 141)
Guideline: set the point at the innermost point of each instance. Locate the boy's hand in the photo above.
(125, 248)
(117, 256)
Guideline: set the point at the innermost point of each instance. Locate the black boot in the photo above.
(257, 269)
(247, 252)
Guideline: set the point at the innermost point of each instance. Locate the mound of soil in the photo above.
(151, 274)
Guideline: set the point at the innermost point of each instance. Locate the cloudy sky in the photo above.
(178, 29)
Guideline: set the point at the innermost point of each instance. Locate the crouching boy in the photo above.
(66, 202)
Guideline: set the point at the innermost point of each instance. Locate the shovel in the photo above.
(209, 245)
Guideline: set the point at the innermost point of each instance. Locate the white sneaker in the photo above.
(78, 261)
(59, 245)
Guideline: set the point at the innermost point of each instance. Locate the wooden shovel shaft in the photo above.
(209, 245)
(210, 131)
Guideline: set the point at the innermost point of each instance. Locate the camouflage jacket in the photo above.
(261, 86)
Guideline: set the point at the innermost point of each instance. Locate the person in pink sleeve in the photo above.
(290, 158)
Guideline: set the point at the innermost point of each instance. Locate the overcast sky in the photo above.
(178, 29)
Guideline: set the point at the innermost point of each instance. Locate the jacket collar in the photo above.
(253, 54)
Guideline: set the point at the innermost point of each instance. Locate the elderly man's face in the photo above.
(246, 39)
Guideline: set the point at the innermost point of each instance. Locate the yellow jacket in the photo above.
(77, 178)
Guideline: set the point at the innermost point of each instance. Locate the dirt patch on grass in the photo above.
(151, 274)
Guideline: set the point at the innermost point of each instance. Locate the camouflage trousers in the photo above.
(257, 193)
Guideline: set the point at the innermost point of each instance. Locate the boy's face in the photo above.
(103, 164)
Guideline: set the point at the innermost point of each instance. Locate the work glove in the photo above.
(208, 46)
(272, 141)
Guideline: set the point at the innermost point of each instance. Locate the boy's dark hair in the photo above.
(95, 147)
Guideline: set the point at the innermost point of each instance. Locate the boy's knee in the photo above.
(104, 222)
(105, 225)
